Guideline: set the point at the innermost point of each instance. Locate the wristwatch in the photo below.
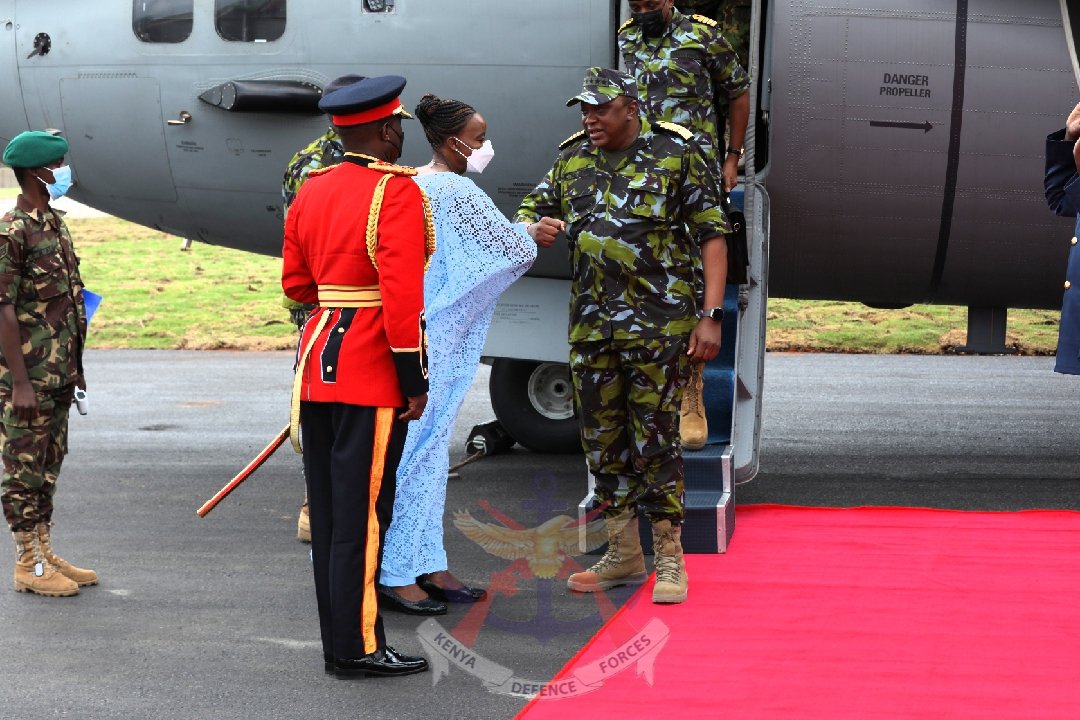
(735, 151)
(713, 313)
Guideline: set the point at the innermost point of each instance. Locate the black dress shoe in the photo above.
(390, 600)
(446, 595)
(328, 663)
(386, 662)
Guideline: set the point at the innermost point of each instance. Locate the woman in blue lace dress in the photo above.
(478, 254)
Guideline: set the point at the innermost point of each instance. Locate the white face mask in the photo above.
(480, 157)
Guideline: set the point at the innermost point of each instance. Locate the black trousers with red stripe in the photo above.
(351, 454)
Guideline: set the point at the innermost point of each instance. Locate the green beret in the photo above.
(34, 149)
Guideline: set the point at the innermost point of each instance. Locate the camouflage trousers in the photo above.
(628, 395)
(33, 452)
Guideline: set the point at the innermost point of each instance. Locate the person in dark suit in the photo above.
(1062, 185)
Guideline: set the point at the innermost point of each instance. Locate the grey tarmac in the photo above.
(215, 618)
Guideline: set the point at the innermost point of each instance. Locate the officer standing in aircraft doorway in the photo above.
(321, 152)
(682, 64)
(1062, 185)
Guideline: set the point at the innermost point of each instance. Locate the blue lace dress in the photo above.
(478, 254)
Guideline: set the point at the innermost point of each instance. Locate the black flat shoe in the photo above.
(462, 595)
(382, 663)
(390, 600)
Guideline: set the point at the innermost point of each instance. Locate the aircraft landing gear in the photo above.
(534, 401)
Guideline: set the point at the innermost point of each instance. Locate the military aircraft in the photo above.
(896, 155)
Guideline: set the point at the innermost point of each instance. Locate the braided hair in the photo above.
(442, 119)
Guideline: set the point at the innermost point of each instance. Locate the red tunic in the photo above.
(371, 356)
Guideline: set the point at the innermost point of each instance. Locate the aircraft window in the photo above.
(378, 6)
(162, 21)
(250, 20)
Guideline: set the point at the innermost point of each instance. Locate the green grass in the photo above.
(8, 193)
(156, 296)
(823, 326)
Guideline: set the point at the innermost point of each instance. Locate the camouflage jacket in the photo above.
(680, 73)
(323, 151)
(733, 17)
(39, 276)
(628, 216)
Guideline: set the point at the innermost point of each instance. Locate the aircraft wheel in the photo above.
(534, 401)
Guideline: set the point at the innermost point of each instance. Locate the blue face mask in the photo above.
(61, 182)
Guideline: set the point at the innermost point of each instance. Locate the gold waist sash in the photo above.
(349, 296)
(330, 296)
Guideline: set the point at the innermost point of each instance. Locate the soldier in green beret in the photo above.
(636, 199)
(42, 331)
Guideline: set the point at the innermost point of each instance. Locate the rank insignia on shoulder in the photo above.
(705, 20)
(392, 169)
(576, 137)
(625, 25)
(673, 128)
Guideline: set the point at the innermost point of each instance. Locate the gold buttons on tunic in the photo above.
(1074, 241)
(341, 329)
(329, 368)
(1068, 284)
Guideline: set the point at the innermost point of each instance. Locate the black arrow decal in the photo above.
(924, 126)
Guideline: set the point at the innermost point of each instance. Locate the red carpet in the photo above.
(863, 613)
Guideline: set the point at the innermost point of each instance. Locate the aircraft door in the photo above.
(12, 116)
(132, 153)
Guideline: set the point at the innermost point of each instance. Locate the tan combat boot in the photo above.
(693, 427)
(34, 574)
(303, 524)
(622, 564)
(81, 576)
(670, 568)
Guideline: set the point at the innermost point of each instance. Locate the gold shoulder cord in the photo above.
(372, 237)
(373, 219)
(429, 230)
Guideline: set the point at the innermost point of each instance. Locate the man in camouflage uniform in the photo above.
(42, 331)
(682, 63)
(323, 151)
(633, 197)
(684, 66)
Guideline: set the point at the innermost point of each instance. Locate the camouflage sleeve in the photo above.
(734, 17)
(724, 66)
(10, 260)
(702, 201)
(543, 201)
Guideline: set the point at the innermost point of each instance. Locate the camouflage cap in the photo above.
(602, 85)
(34, 149)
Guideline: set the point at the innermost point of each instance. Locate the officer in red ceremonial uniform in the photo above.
(357, 239)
